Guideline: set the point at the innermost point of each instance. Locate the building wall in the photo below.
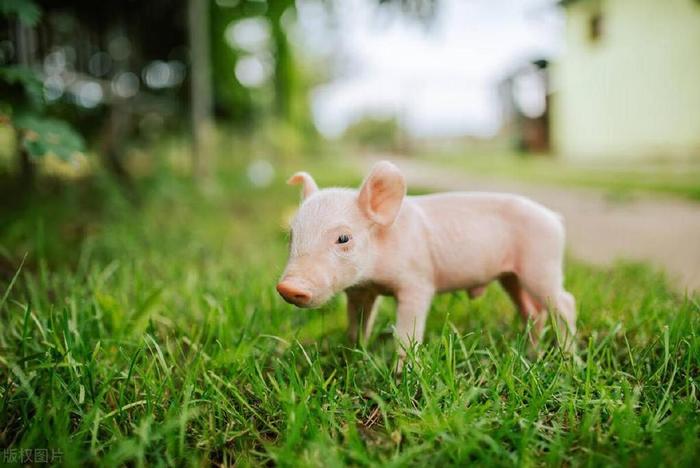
(634, 92)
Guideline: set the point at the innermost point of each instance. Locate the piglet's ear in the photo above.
(309, 185)
(382, 192)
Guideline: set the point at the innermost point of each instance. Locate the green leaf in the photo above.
(27, 11)
(42, 136)
(17, 76)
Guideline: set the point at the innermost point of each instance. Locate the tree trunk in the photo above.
(115, 131)
(26, 47)
(200, 87)
(284, 77)
(26, 171)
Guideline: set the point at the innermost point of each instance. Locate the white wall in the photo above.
(635, 92)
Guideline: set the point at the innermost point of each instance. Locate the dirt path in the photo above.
(662, 231)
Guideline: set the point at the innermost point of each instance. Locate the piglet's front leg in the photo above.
(412, 313)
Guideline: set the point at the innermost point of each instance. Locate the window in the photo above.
(595, 26)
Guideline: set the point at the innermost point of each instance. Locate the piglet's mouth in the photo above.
(305, 305)
(296, 302)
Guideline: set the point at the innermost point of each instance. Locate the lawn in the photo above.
(146, 330)
(672, 178)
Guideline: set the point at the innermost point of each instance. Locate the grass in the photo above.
(151, 334)
(622, 179)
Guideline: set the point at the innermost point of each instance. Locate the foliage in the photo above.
(21, 88)
(232, 100)
(232, 97)
(153, 335)
(42, 136)
(23, 100)
(376, 133)
(285, 66)
(27, 11)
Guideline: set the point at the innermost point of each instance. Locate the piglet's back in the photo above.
(475, 236)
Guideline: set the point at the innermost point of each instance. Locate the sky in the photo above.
(439, 80)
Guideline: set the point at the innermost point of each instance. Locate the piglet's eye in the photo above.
(343, 239)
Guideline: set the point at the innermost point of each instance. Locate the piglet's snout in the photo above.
(294, 293)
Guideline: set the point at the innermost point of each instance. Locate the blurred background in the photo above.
(144, 150)
(589, 106)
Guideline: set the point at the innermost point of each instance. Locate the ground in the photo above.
(146, 330)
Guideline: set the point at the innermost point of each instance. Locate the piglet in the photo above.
(379, 241)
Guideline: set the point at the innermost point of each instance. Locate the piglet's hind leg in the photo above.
(548, 291)
(527, 306)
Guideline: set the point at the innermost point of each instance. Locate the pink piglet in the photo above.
(379, 241)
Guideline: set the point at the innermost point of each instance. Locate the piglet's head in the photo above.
(334, 233)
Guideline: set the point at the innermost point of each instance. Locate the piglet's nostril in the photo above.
(294, 294)
(302, 296)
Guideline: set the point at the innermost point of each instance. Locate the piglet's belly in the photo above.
(447, 281)
(470, 268)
